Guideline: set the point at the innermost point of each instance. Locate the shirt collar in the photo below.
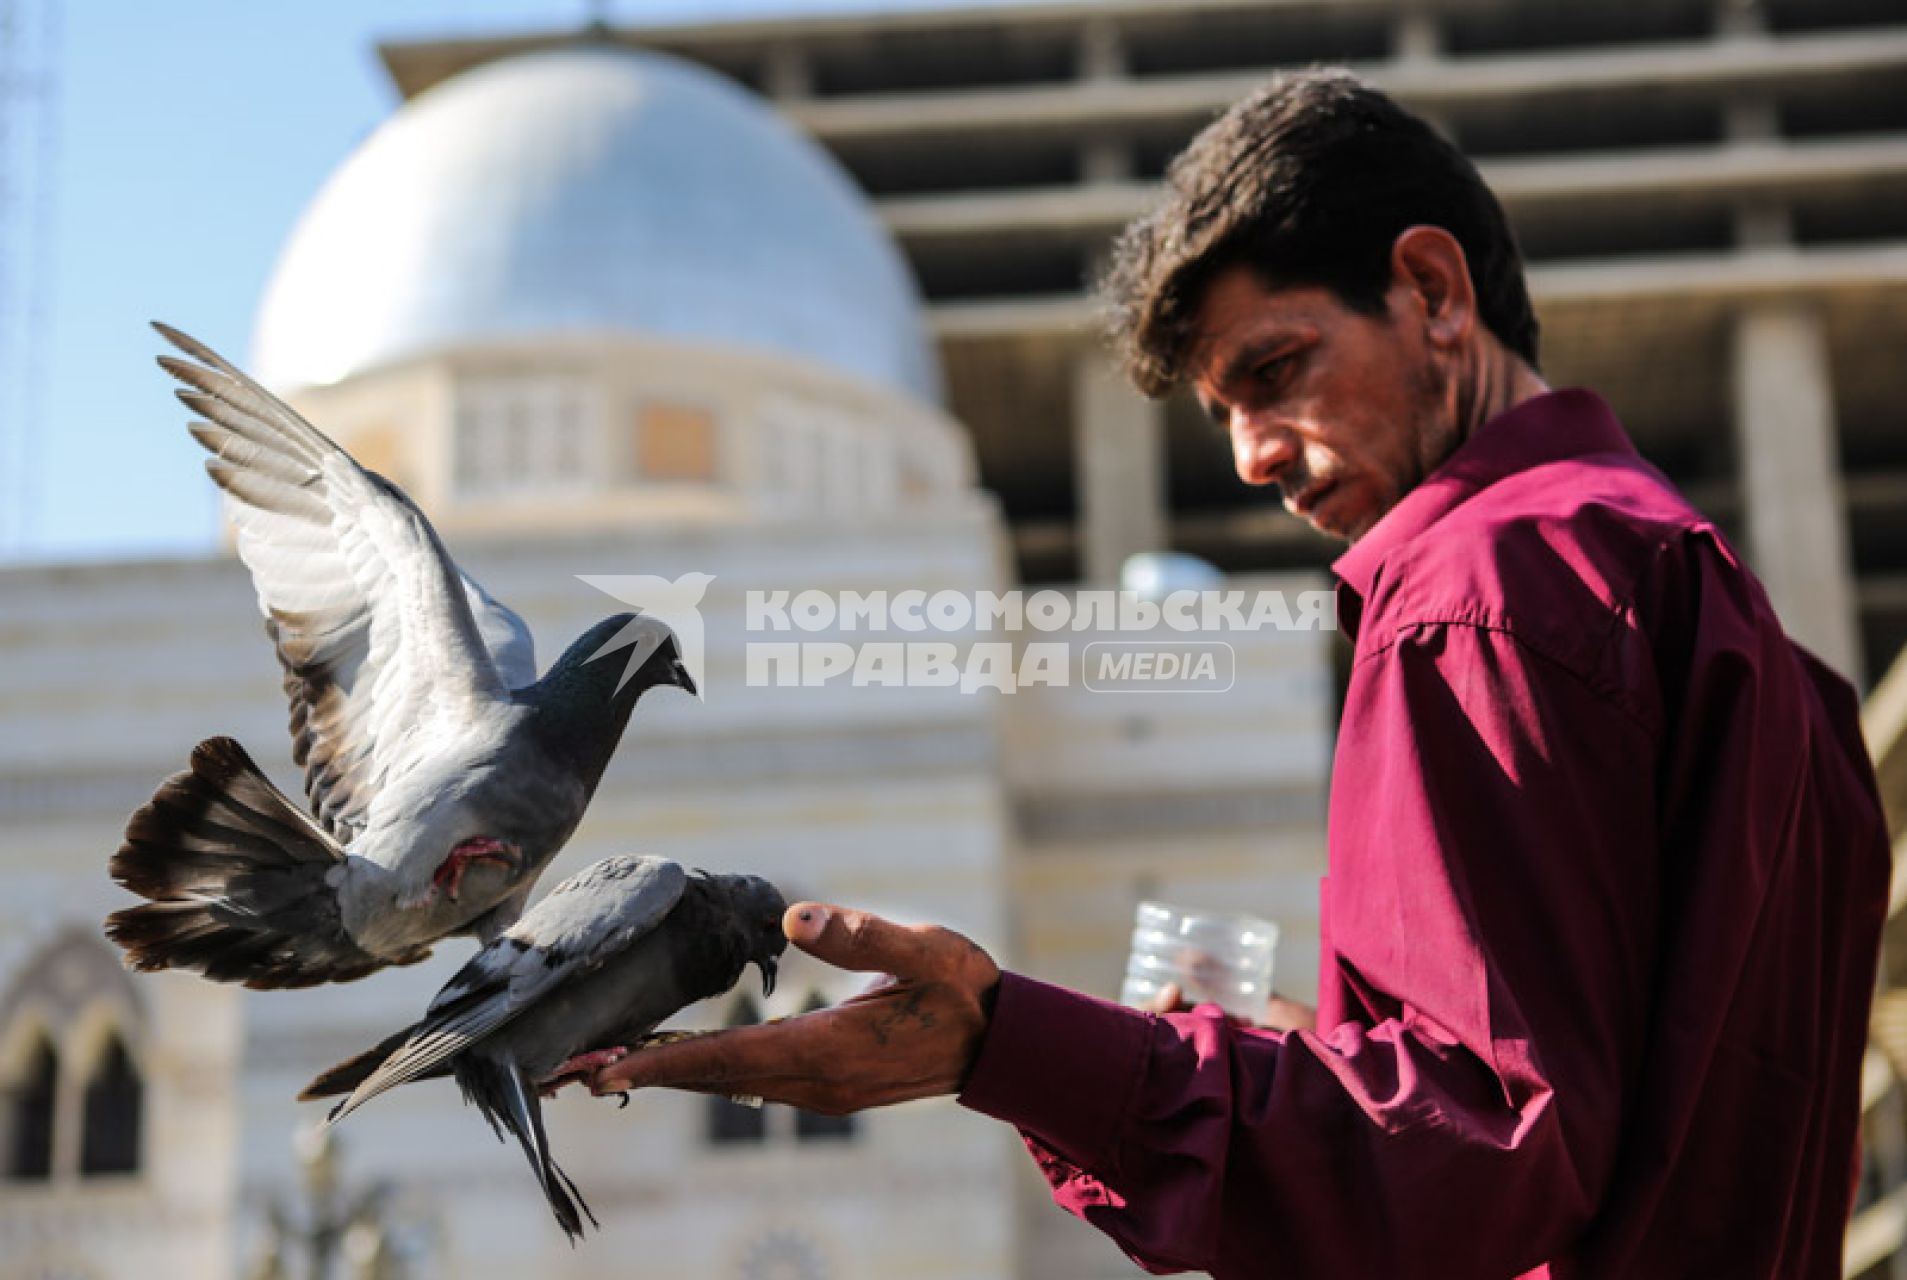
(1552, 427)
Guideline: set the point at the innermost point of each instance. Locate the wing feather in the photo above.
(435, 1042)
(387, 646)
(504, 634)
(590, 917)
(575, 928)
(231, 447)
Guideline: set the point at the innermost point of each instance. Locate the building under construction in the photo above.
(1711, 194)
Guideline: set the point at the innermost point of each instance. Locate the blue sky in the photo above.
(190, 137)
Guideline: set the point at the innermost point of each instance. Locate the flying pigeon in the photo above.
(585, 974)
(442, 774)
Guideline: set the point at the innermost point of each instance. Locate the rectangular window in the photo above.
(471, 450)
(674, 443)
(731, 1122)
(521, 434)
(812, 1126)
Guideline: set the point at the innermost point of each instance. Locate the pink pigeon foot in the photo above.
(582, 1067)
(449, 877)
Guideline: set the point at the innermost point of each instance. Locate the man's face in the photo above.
(1344, 412)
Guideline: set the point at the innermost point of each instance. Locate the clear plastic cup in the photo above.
(1214, 957)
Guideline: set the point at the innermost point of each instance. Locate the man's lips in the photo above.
(1305, 503)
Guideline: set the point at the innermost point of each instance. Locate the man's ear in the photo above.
(1430, 265)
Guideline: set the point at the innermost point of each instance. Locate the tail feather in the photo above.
(510, 1104)
(355, 1071)
(352, 1072)
(239, 881)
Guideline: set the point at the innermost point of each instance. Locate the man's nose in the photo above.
(1261, 449)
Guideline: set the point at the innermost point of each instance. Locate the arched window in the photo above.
(71, 1098)
(109, 1134)
(732, 1122)
(30, 1099)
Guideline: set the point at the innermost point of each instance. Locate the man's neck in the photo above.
(1493, 381)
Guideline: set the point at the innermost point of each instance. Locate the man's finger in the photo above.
(1167, 999)
(735, 1060)
(860, 940)
(714, 1060)
(1288, 1015)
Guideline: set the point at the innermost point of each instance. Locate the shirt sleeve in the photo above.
(1490, 918)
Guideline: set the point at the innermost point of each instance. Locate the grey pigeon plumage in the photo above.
(442, 774)
(595, 966)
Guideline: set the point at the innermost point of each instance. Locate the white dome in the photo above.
(590, 190)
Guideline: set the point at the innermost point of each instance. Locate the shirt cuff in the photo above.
(1060, 1066)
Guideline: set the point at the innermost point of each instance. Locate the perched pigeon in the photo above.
(586, 973)
(442, 774)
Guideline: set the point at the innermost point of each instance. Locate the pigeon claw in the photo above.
(581, 1068)
(448, 878)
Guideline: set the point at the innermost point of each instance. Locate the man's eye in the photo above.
(1274, 369)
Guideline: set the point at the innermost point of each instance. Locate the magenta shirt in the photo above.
(1607, 878)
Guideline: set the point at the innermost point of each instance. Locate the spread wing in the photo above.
(593, 915)
(388, 650)
(576, 927)
(512, 647)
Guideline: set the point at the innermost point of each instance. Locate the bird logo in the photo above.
(676, 602)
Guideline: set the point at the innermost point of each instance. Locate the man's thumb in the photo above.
(856, 940)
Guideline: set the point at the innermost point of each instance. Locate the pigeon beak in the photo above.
(769, 967)
(679, 677)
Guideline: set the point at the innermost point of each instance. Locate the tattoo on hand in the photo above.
(886, 1024)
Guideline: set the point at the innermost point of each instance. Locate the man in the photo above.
(1607, 865)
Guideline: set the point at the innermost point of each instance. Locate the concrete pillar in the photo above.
(1885, 1133)
(1741, 19)
(787, 75)
(1102, 58)
(1415, 36)
(1105, 160)
(1102, 50)
(1791, 481)
(1751, 120)
(1763, 224)
(1417, 40)
(1119, 457)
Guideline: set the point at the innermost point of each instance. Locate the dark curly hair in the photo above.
(1310, 180)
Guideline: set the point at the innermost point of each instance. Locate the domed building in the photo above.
(591, 191)
(619, 329)
(613, 281)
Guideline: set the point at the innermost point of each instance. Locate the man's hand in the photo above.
(914, 1036)
(1279, 1014)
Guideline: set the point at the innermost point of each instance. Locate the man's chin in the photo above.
(1327, 518)
(1346, 515)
